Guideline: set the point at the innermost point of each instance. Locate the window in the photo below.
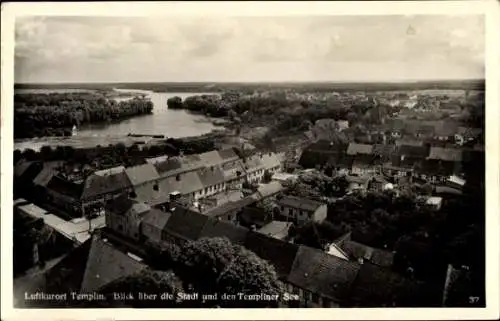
(156, 187)
(206, 190)
(315, 298)
(178, 177)
(120, 227)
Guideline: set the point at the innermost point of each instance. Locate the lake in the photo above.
(163, 121)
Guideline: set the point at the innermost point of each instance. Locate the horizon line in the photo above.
(259, 82)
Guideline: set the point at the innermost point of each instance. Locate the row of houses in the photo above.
(429, 163)
(193, 176)
(318, 277)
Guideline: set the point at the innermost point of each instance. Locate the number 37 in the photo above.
(473, 299)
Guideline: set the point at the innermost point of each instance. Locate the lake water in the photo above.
(163, 121)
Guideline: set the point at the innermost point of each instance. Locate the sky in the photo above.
(248, 49)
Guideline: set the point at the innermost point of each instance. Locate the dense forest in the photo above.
(54, 114)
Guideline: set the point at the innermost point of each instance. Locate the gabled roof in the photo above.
(156, 218)
(446, 154)
(64, 187)
(185, 224)
(141, 174)
(354, 149)
(218, 228)
(231, 171)
(165, 166)
(21, 167)
(119, 205)
(253, 163)
(319, 272)
(211, 158)
(44, 177)
(270, 160)
(300, 203)
(98, 185)
(280, 254)
(360, 251)
(228, 207)
(105, 264)
(269, 189)
(228, 155)
(210, 176)
(276, 229)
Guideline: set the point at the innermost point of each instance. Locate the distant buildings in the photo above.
(193, 176)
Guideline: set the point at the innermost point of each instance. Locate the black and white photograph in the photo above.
(248, 161)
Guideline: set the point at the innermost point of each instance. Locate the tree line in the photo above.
(54, 114)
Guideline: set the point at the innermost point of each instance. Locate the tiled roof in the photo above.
(230, 207)
(413, 151)
(253, 163)
(355, 149)
(141, 174)
(270, 189)
(120, 205)
(110, 171)
(446, 154)
(270, 160)
(228, 155)
(106, 264)
(383, 150)
(378, 287)
(169, 165)
(277, 229)
(211, 158)
(156, 218)
(45, 175)
(218, 228)
(98, 185)
(318, 272)
(140, 208)
(300, 203)
(210, 176)
(231, 171)
(28, 171)
(252, 215)
(65, 187)
(68, 274)
(376, 256)
(146, 193)
(280, 254)
(21, 167)
(361, 160)
(185, 224)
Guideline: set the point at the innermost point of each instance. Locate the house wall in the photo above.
(295, 215)
(320, 213)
